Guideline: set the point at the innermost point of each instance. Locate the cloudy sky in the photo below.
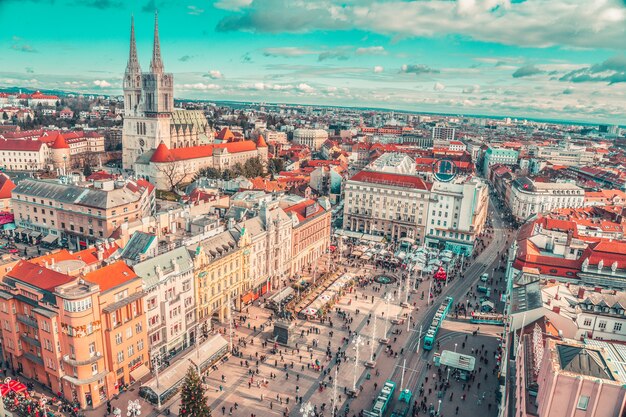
(561, 59)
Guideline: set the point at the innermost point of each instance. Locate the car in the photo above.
(484, 277)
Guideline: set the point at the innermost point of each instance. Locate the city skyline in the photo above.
(493, 57)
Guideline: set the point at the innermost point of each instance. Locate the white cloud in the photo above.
(439, 87)
(194, 10)
(539, 23)
(232, 4)
(288, 52)
(214, 75)
(305, 88)
(378, 69)
(199, 86)
(371, 50)
(102, 83)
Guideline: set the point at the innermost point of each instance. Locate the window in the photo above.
(92, 349)
(118, 338)
(77, 306)
(131, 350)
(583, 402)
(120, 356)
(138, 328)
(587, 322)
(129, 333)
(602, 324)
(140, 345)
(94, 368)
(617, 327)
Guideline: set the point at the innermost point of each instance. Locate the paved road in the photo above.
(485, 262)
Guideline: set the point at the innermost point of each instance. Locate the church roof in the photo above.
(225, 134)
(261, 142)
(60, 142)
(162, 154)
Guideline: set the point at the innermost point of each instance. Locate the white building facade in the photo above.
(528, 197)
(457, 214)
(170, 301)
(313, 138)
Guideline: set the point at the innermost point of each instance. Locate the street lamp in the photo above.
(134, 408)
(358, 342)
(439, 408)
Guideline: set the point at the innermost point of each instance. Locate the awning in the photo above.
(34, 234)
(49, 239)
(139, 372)
(19, 230)
(247, 298)
(8, 226)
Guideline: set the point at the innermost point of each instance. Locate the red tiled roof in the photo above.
(111, 276)
(100, 175)
(225, 134)
(161, 154)
(6, 186)
(261, 142)
(20, 145)
(405, 181)
(60, 142)
(38, 276)
(300, 209)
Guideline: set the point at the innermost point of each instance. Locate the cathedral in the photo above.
(156, 136)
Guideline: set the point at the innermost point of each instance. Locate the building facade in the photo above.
(313, 138)
(457, 214)
(170, 305)
(529, 197)
(221, 275)
(77, 215)
(387, 204)
(495, 155)
(310, 238)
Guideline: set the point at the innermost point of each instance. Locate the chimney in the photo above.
(597, 289)
(556, 309)
(581, 292)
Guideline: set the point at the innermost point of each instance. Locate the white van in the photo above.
(484, 277)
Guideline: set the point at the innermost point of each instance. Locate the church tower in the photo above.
(159, 86)
(148, 103)
(132, 78)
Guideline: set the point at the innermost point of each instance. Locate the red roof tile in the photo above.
(38, 276)
(26, 145)
(397, 180)
(60, 142)
(6, 186)
(111, 276)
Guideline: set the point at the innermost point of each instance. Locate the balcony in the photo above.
(28, 320)
(33, 358)
(31, 341)
(72, 361)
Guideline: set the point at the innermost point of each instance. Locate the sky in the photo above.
(556, 59)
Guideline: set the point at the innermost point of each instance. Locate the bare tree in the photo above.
(175, 173)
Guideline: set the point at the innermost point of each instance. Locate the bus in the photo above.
(382, 401)
(440, 315)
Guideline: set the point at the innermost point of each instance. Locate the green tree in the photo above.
(253, 168)
(193, 402)
(87, 170)
(5, 116)
(275, 165)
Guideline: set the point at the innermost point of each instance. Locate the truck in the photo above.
(403, 406)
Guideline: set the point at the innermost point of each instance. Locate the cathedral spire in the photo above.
(133, 62)
(156, 65)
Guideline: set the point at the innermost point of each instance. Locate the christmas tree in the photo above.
(193, 402)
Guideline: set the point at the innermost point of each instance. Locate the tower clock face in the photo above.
(141, 143)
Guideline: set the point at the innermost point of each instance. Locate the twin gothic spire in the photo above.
(156, 63)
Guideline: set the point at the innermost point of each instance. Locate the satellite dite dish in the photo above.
(444, 170)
